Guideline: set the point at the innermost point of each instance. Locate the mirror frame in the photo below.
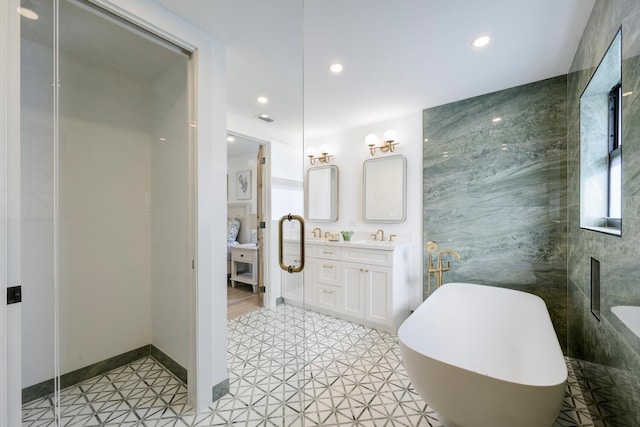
(333, 195)
(365, 166)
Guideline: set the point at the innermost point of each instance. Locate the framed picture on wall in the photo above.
(243, 185)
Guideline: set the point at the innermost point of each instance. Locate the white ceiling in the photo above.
(400, 56)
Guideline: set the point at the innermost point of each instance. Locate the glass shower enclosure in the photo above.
(107, 199)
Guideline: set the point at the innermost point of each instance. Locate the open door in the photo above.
(260, 223)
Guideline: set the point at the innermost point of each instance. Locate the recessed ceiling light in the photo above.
(163, 139)
(497, 119)
(627, 93)
(263, 99)
(230, 138)
(426, 140)
(336, 68)
(481, 41)
(28, 13)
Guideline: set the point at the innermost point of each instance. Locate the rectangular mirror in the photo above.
(322, 194)
(384, 189)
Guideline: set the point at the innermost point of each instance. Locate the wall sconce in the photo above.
(389, 143)
(322, 158)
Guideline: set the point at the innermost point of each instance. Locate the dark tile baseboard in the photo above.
(47, 387)
(174, 367)
(220, 390)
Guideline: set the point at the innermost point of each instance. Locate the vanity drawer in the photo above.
(330, 297)
(324, 252)
(329, 271)
(368, 256)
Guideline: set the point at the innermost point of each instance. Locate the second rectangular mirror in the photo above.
(384, 189)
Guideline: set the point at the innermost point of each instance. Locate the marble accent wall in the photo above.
(607, 341)
(494, 189)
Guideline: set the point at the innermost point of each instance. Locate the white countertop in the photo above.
(362, 244)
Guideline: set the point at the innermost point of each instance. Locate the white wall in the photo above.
(350, 152)
(105, 229)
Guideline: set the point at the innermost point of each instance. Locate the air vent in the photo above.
(265, 117)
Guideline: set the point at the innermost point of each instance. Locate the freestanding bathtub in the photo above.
(483, 356)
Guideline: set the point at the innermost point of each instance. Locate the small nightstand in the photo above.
(244, 265)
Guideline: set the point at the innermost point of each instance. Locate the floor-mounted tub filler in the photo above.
(483, 356)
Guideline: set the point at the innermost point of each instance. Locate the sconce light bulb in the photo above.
(390, 135)
(311, 152)
(324, 149)
(371, 140)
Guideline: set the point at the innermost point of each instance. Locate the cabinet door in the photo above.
(378, 294)
(353, 278)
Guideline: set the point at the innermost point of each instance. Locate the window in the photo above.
(601, 145)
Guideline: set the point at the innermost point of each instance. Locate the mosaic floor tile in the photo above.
(287, 367)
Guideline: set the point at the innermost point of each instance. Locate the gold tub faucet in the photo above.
(432, 248)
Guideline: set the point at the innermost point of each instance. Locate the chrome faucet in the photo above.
(379, 232)
(432, 248)
(318, 230)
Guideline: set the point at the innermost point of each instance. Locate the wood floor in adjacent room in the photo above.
(240, 301)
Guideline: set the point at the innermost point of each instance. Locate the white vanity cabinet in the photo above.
(362, 283)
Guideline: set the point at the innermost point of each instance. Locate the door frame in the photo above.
(10, 328)
(266, 299)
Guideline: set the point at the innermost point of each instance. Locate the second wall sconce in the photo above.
(322, 158)
(389, 143)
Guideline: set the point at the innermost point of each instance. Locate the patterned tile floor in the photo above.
(287, 367)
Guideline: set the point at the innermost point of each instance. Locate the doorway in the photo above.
(246, 198)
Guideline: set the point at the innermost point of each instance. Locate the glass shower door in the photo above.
(107, 216)
(38, 213)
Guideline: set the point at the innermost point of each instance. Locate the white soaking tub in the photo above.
(483, 356)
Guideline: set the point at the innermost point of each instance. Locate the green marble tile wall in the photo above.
(607, 341)
(494, 189)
